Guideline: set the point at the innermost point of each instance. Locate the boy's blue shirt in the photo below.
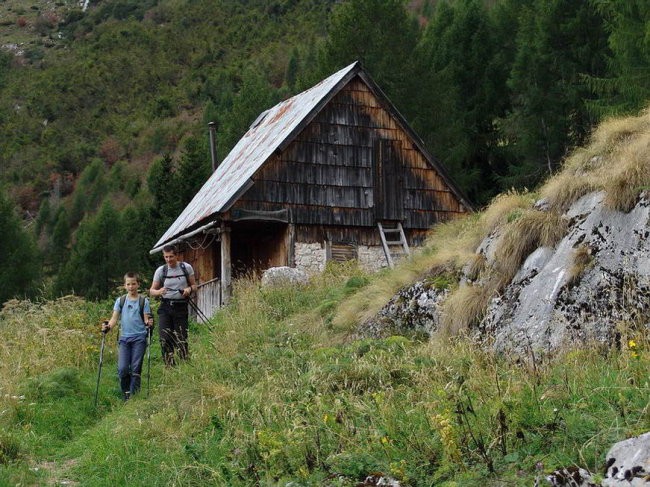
(131, 323)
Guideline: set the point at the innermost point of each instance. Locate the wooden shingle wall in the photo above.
(326, 176)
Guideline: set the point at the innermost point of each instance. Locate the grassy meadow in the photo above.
(278, 393)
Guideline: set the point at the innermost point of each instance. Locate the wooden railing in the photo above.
(208, 298)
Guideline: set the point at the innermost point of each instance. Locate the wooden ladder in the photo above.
(396, 246)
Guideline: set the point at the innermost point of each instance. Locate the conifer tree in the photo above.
(291, 73)
(43, 218)
(626, 86)
(465, 93)
(255, 96)
(194, 168)
(163, 185)
(94, 267)
(559, 42)
(20, 257)
(139, 234)
(383, 36)
(89, 192)
(60, 241)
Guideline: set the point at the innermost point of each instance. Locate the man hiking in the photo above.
(134, 314)
(174, 283)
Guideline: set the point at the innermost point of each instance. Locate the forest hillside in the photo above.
(104, 110)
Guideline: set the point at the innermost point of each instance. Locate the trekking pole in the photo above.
(149, 333)
(199, 313)
(198, 310)
(101, 361)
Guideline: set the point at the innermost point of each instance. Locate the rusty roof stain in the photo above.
(271, 129)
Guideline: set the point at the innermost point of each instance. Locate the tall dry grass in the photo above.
(520, 238)
(616, 160)
(33, 340)
(449, 246)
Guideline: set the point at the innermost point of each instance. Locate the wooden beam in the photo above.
(291, 245)
(226, 265)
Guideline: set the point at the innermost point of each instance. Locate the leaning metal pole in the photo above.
(200, 314)
(101, 361)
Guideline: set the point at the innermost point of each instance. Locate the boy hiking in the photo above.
(174, 283)
(134, 314)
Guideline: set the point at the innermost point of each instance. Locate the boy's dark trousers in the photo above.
(129, 362)
(172, 326)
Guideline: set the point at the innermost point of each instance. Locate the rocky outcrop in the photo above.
(413, 310)
(627, 465)
(594, 279)
(568, 477)
(552, 300)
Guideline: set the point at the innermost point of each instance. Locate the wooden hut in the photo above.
(332, 173)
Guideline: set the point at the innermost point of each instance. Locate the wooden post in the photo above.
(290, 242)
(226, 267)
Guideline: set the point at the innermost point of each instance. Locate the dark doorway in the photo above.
(256, 246)
(388, 193)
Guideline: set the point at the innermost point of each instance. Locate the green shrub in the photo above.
(57, 384)
(9, 448)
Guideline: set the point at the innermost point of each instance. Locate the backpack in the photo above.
(140, 304)
(166, 269)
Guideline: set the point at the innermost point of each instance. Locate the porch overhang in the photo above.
(205, 229)
(240, 214)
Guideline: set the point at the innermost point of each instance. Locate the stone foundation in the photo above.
(312, 258)
(371, 258)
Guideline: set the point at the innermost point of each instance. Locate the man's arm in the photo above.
(192, 286)
(156, 289)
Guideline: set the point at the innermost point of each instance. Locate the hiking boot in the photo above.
(127, 396)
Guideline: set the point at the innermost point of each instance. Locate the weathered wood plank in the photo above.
(226, 265)
(318, 174)
(337, 134)
(328, 154)
(305, 194)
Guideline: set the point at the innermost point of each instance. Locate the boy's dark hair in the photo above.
(131, 275)
(170, 248)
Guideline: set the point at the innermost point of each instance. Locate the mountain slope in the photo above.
(567, 265)
(125, 81)
(274, 394)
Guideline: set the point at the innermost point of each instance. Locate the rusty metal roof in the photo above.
(272, 130)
